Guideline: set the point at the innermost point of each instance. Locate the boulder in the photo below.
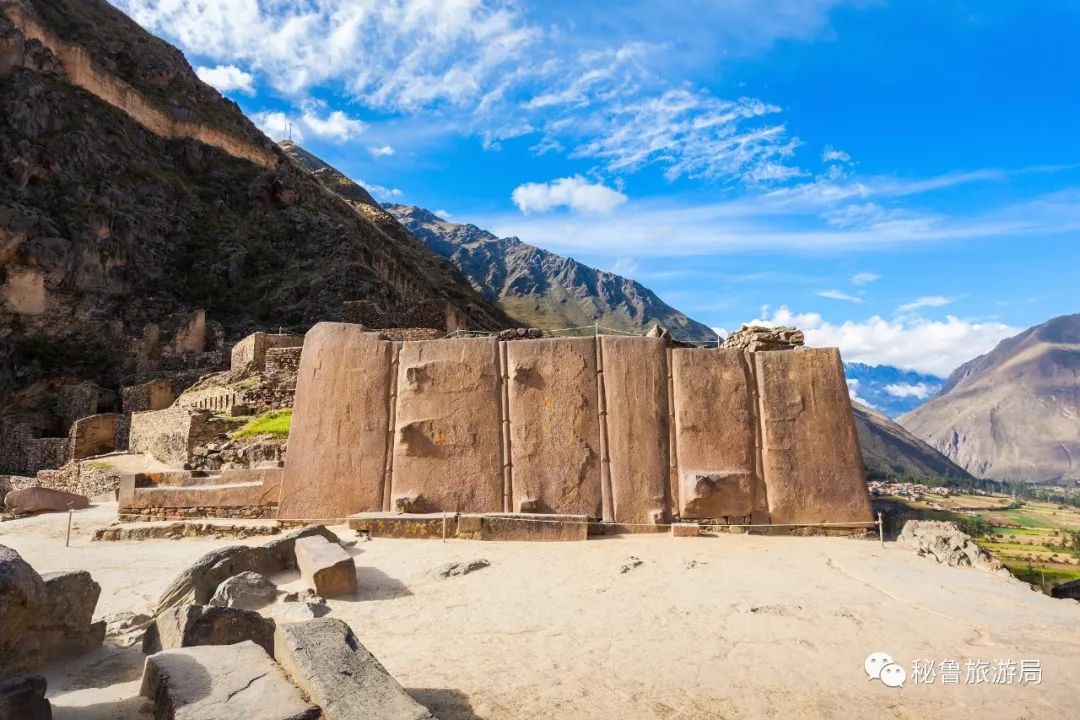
(458, 568)
(22, 697)
(44, 618)
(290, 612)
(218, 682)
(64, 624)
(198, 583)
(194, 625)
(39, 499)
(1066, 591)
(247, 591)
(325, 567)
(21, 592)
(326, 660)
(946, 543)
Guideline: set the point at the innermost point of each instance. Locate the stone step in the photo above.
(535, 527)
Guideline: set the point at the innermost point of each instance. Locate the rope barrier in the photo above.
(518, 518)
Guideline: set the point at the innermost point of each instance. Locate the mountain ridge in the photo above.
(1012, 413)
(545, 289)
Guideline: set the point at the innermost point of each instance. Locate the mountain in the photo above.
(1013, 413)
(890, 451)
(132, 193)
(545, 289)
(890, 390)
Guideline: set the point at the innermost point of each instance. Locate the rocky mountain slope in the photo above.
(544, 289)
(131, 192)
(889, 450)
(1013, 413)
(890, 390)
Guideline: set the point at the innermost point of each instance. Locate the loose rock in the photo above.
(459, 568)
(39, 499)
(247, 591)
(193, 625)
(946, 543)
(326, 567)
(22, 697)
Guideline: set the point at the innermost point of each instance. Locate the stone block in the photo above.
(685, 530)
(326, 660)
(22, 697)
(198, 583)
(325, 567)
(635, 390)
(193, 625)
(399, 525)
(447, 440)
(338, 442)
(554, 426)
(535, 527)
(813, 467)
(715, 433)
(217, 682)
(39, 499)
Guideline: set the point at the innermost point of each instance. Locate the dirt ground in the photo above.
(643, 627)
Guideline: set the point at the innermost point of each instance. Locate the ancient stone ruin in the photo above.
(621, 430)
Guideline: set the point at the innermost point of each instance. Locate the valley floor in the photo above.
(729, 627)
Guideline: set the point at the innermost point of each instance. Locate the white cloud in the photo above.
(832, 155)
(381, 192)
(920, 391)
(864, 278)
(227, 78)
(575, 192)
(383, 151)
(444, 214)
(335, 126)
(691, 134)
(625, 266)
(935, 347)
(840, 295)
(926, 301)
(275, 125)
(853, 393)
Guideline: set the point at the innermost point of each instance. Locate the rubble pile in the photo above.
(757, 338)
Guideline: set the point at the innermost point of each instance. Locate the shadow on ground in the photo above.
(444, 703)
(374, 584)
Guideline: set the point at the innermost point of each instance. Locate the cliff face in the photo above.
(1013, 413)
(131, 193)
(545, 289)
(888, 450)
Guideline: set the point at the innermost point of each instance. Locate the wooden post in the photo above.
(444, 526)
(67, 540)
(881, 528)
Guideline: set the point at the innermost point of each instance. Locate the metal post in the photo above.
(67, 540)
(881, 528)
(444, 526)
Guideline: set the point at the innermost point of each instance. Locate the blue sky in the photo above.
(901, 179)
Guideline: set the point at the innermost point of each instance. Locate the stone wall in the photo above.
(171, 435)
(250, 353)
(619, 429)
(93, 435)
(283, 359)
(155, 394)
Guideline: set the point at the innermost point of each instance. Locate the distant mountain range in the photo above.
(544, 289)
(891, 451)
(1013, 413)
(889, 390)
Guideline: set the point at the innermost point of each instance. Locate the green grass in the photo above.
(1054, 576)
(99, 465)
(274, 423)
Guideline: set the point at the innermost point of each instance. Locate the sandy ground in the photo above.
(728, 627)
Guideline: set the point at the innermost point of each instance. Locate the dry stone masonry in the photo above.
(755, 338)
(623, 430)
